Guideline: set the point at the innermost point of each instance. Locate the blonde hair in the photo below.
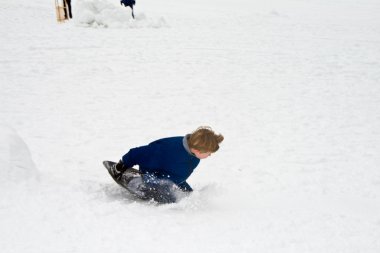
(205, 140)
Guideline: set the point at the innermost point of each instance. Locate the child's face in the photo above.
(201, 155)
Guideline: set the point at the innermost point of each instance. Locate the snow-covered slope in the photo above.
(292, 85)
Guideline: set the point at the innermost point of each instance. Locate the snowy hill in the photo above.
(292, 85)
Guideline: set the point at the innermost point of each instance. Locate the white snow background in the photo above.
(294, 86)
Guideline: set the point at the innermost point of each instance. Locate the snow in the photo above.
(292, 85)
(15, 157)
(106, 14)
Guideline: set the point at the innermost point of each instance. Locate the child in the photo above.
(129, 3)
(69, 14)
(172, 159)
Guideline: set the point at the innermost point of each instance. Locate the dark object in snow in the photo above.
(129, 3)
(67, 9)
(143, 186)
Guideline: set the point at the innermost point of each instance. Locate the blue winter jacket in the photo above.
(168, 158)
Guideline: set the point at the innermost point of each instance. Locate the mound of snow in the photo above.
(15, 158)
(102, 13)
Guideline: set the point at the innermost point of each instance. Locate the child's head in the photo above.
(203, 142)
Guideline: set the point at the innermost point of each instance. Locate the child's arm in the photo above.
(138, 156)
